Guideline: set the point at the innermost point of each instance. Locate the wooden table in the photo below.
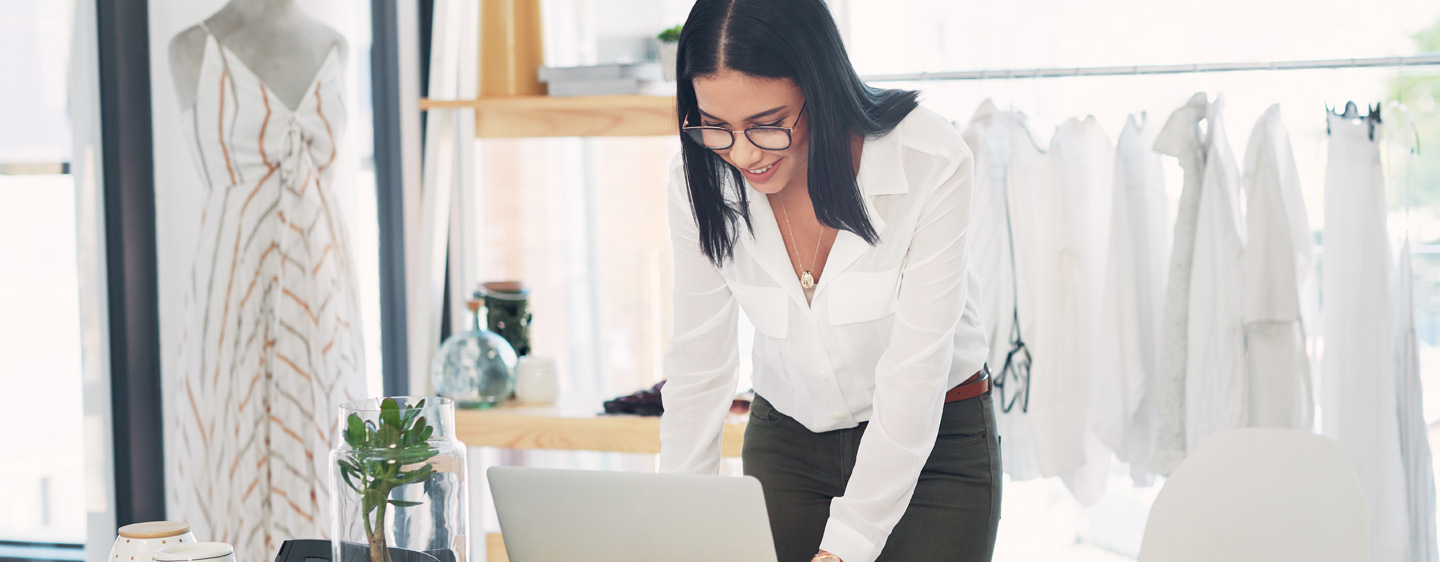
(574, 423)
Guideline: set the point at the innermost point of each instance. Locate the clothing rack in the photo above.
(1421, 59)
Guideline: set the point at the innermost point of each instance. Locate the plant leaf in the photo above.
(413, 411)
(389, 436)
(355, 431)
(416, 475)
(348, 471)
(389, 413)
(414, 455)
(401, 503)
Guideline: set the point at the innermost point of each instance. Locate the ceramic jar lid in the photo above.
(154, 529)
(195, 552)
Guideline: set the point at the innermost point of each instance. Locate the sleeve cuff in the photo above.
(848, 544)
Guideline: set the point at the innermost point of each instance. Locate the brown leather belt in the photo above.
(977, 384)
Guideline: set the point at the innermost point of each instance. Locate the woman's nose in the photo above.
(744, 153)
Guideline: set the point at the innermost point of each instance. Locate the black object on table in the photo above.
(648, 403)
(645, 403)
(317, 550)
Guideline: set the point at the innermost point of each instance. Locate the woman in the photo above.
(835, 216)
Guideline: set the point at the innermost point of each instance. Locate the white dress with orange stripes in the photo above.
(272, 342)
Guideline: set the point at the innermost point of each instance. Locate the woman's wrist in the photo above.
(823, 556)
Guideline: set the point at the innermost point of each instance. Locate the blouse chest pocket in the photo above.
(767, 308)
(863, 296)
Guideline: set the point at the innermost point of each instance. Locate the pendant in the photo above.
(806, 280)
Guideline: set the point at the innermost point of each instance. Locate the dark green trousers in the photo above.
(951, 518)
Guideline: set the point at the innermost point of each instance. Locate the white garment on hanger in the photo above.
(1280, 286)
(987, 135)
(1415, 451)
(1202, 382)
(1008, 172)
(1358, 390)
(1400, 151)
(1083, 162)
(1128, 352)
(1180, 137)
(1215, 379)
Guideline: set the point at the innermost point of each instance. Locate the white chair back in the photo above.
(1261, 495)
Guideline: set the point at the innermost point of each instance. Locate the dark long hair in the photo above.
(795, 39)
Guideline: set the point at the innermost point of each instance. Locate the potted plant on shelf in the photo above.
(398, 482)
(669, 42)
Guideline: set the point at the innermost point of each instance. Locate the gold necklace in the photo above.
(806, 280)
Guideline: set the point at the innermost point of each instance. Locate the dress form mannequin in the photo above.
(274, 38)
(272, 339)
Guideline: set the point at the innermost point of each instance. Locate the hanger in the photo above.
(1010, 90)
(1137, 86)
(1403, 112)
(1351, 112)
(1372, 119)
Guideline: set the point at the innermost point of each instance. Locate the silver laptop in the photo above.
(549, 515)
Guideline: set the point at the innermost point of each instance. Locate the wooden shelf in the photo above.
(495, 548)
(574, 424)
(587, 116)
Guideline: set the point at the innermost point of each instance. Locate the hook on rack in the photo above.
(1373, 118)
(1351, 110)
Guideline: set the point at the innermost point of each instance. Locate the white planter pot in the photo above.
(667, 59)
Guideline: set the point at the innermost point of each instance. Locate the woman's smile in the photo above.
(762, 174)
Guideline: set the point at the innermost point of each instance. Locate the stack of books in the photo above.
(600, 80)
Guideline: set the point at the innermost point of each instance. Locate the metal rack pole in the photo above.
(1422, 59)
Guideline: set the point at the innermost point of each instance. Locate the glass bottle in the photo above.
(475, 368)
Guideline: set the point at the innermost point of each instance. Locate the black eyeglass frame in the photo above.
(696, 133)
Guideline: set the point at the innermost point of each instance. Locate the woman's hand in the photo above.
(823, 556)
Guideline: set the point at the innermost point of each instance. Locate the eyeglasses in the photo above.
(766, 138)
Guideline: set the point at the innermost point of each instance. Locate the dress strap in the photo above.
(212, 35)
(220, 48)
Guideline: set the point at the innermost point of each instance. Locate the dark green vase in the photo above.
(507, 306)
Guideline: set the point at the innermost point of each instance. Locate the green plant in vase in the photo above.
(669, 45)
(392, 455)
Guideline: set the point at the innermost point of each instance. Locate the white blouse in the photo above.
(890, 329)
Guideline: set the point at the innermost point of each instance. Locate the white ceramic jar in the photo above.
(196, 552)
(537, 380)
(139, 542)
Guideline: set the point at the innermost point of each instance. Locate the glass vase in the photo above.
(475, 368)
(398, 483)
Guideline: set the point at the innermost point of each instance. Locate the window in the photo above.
(41, 471)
